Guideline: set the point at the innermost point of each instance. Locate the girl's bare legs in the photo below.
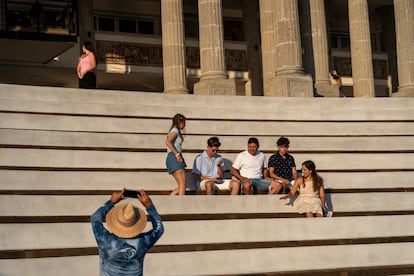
(179, 176)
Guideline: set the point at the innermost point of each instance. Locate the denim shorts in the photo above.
(173, 164)
(260, 184)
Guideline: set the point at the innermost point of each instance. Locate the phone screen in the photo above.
(131, 193)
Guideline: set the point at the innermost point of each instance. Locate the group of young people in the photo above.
(250, 172)
(122, 243)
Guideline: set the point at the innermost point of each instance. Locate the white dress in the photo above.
(308, 200)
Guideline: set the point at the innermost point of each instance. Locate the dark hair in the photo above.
(282, 141)
(253, 140)
(316, 179)
(89, 46)
(176, 120)
(213, 142)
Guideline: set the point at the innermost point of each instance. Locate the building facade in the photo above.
(233, 47)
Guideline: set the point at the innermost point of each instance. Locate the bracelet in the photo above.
(178, 154)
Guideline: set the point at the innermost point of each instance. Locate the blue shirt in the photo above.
(207, 167)
(119, 256)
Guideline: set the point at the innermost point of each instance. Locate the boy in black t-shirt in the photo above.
(282, 167)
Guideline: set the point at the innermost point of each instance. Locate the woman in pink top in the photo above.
(86, 67)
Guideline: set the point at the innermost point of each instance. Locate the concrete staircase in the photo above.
(63, 151)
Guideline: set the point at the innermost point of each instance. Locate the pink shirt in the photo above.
(85, 63)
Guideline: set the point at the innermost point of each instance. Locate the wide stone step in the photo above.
(247, 261)
(85, 205)
(203, 127)
(156, 142)
(33, 180)
(313, 110)
(96, 96)
(178, 233)
(43, 93)
(107, 160)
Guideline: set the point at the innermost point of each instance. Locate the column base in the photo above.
(176, 91)
(327, 90)
(407, 92)
(291, 85)
(215, 87)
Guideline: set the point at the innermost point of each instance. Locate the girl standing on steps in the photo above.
(86, 67)
(311, 199)
(175, 161)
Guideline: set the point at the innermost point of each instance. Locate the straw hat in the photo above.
(126, 220)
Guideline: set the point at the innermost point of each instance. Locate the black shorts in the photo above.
(88, 81)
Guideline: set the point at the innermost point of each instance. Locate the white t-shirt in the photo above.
(250, 166)
(177, 142)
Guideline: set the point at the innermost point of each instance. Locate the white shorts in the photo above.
(225, 185)
(289, 186)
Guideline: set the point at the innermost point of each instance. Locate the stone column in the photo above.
(361, 55)
(404, 22)
(252, 36)
(85, 26)
(320, 49)
(213, 80)
(268, 42)
(290, 79)
(173, 47)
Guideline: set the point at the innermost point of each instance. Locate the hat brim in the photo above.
(120, 230)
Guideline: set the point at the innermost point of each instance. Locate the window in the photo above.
(131, 25)
(146, 27)
(106, 24)
(233, 29)
(127, 25)
(342, 41)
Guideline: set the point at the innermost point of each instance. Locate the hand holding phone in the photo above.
(131, 193)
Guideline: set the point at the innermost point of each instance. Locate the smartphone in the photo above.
(131, 193)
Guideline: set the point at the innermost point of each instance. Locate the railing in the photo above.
(58, 18)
